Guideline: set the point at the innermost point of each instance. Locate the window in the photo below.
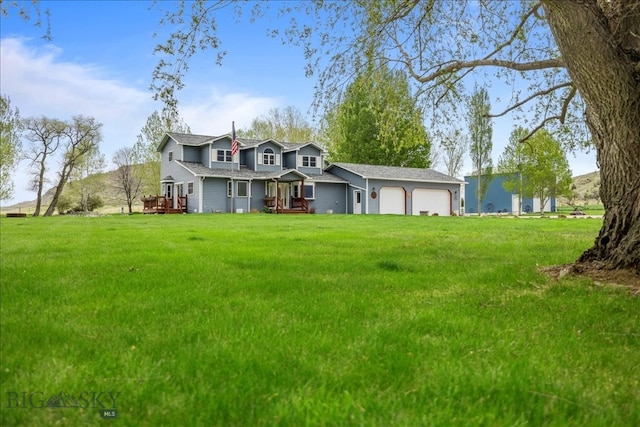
(170, 156)
(309, 161)
(309, 191)
(243, 189)
(268, 157)
(223, 155)
(190, 187)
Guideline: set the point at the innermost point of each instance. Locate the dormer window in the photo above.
(309, 161)
(223, 155)
(268, 157)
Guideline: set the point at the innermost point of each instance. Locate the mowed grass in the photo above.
(249, 320)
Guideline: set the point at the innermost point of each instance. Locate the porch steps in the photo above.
(292, 211)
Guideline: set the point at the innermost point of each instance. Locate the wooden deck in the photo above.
(164, 205)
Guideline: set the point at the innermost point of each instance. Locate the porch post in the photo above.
(277, 194)
(302, 199)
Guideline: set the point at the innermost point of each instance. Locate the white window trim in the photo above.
(190, 184)
(224, 155)
(301, 159)
(300, 190)
(312, 185)
(247, 183)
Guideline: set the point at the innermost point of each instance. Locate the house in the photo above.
(200, 174)
(497, 199)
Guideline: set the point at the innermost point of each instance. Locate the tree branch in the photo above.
(535, 95)
(455, 66)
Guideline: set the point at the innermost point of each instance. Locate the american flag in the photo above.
(234, 139)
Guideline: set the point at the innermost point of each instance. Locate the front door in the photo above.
(284, 192)
(357, 201)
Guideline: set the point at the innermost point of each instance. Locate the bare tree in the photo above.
(286, 125)
(81, 135)
(454, 146)
(43, 140)
(145, 149)
(126, 178)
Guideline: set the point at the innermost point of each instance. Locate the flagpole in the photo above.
(234, 151)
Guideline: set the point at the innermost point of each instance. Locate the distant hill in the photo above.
(110, 195)
(586, 190)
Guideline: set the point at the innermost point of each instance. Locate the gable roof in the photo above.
(293, 146)
(395, 173)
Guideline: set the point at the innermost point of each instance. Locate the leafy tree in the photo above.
(125, 176)
(480, 139)
(10, 146)
(378, 122)
(43, 140)
(546, 169)
(81, 135)
(512, 161)
(145, 149)
(454, 146)
(287, 124)
(538, 168)
(574, 57)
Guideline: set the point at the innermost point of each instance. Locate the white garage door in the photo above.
(434, 201)
(392, 200)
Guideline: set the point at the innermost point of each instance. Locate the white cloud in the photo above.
(213, 114)
(40, 83)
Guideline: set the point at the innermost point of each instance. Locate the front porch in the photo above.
(295, 205)
(284, 194)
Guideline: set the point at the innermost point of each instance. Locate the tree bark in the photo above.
(604, 64)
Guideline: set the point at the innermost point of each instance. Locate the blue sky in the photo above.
(100, 63)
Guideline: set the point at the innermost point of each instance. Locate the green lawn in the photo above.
(245, 320)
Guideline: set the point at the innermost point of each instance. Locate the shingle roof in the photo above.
(197, 140)
(191, 139)
(396, 173)
(199, 169)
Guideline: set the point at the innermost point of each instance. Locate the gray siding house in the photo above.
(199, 174)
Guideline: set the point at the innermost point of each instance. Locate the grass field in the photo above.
(248, 320)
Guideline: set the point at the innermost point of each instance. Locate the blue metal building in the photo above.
(499, 200)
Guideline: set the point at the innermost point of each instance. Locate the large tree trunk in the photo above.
(602, 56)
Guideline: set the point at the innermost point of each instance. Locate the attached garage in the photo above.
(432, 201)
(392, 200)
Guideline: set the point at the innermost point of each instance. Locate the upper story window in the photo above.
(170, 156)
(310, 161)
(222, 155)
(268, 157)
